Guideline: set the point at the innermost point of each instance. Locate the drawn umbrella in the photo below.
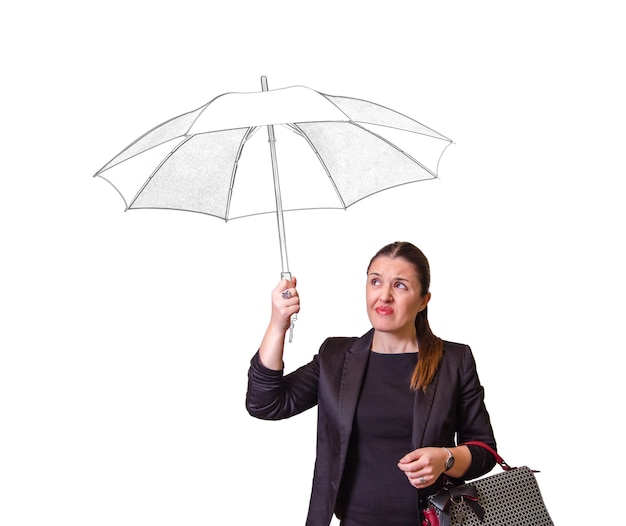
(361, 147)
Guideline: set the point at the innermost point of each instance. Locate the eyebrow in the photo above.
(396, 278)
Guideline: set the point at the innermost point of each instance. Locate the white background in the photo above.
(125, 337)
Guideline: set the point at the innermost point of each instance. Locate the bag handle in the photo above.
(493, 452)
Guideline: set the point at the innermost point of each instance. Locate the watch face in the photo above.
(449, 463)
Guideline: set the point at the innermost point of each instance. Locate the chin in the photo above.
(385, 327)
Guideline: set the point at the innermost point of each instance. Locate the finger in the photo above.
(417, 481)
(289, 283)
(283, 284)
(421, 482)
(411, 468)
(419, 478)
(412, 456)
(288, 302)
(286, 294)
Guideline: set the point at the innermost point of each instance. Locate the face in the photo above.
(394, 296)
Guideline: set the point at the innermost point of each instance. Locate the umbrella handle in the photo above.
(294, 317)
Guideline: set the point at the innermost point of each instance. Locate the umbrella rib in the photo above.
(163, 141)
(156, 170)
(330, 177)
(385, 108)
(245, 138)
(335, 105)
(399, 149)
(202, 110)
(293, 128)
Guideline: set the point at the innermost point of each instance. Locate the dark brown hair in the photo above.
(430, 346)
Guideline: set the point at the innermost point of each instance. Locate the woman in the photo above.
(390, 404)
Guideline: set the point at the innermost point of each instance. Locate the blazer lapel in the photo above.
(354, 367)
(422, 407)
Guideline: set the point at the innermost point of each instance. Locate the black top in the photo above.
(374, 492)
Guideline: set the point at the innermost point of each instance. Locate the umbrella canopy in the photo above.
(197, 154)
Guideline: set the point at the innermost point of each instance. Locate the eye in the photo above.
(400, 285)
(375, 281)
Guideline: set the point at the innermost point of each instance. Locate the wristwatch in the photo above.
(450, 460)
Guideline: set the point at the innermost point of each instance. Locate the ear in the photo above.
(425, 301)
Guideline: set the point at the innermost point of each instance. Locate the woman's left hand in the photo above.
(423, 466)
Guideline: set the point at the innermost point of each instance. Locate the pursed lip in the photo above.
(383, 311)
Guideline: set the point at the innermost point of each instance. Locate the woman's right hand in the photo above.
(285, 303)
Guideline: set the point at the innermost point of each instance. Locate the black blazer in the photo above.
(452, 405)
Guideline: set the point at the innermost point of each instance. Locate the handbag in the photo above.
(510, 498)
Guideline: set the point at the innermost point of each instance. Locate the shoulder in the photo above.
(337, 345)
(457, 355)
(455, 345)
(456, 349)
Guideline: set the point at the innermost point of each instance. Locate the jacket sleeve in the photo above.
(272, 395)
(473, 419)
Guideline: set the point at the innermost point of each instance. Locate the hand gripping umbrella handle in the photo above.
(294, 317)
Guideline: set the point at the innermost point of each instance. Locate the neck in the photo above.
(390, 343)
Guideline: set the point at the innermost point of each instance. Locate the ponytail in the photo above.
(430, 353)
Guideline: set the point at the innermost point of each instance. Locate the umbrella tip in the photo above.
(264, 83)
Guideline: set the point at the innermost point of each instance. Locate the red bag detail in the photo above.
(430, 517)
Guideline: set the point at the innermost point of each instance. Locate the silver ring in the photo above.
(422, 480)
(286, 294)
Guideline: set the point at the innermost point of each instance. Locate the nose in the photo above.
(385, 294)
